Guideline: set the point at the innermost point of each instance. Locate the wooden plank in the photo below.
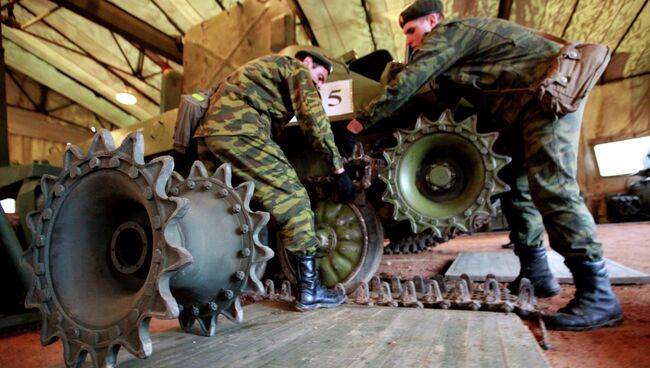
(32, 124)
(273, 335)
(35, 68)
(505, 266)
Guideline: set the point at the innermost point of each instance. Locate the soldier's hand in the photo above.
(345, 187)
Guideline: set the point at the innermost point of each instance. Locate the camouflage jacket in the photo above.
(467, 57)
(260, 98)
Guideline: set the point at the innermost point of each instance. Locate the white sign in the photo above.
(337, 98)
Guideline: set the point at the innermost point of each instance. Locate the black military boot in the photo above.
(311, 294)
(594, 305)
(534, 267)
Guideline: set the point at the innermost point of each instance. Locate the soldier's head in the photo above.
(319, 66)
(418, 19)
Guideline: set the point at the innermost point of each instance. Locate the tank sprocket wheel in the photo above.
(80, 253)
(351, 245)
(223, 235)
(442, 175)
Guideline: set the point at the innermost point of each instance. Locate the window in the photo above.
(623, 157)
(8, 205)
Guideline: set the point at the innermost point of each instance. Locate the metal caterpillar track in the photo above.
(437, 293)
(415, 243)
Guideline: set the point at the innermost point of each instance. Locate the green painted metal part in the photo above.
(351, 244)
(442, 175)
(342, 233)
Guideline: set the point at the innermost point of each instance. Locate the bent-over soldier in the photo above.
(469, 57)
(248, 109)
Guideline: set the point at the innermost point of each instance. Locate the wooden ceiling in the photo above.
(81, 52)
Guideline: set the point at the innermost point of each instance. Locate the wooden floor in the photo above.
(431, 338)
(505, 267)
(349, 336)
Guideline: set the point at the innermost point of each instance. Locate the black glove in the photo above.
(345, 142)
(345, 187)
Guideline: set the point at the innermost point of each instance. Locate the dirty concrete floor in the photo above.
(627, 345)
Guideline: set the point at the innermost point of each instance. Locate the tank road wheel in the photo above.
(107, 241)
(351, 245)
(442, 175)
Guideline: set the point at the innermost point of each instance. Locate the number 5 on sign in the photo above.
(337, 97)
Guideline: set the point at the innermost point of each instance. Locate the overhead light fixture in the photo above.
(93, 129)
(126, 97)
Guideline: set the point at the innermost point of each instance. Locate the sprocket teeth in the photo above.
(198, 170)
(32, 220)
(105, 357)
(163, 306)
(186, 320)
(48, 331)
(47, 184)
(172, 184)
(160, 169)
(140, 340)
(208, 324)
(245, 193)
(235, 313)
(71, 155)
(102, 143)
(133, 146)
(224, 174)
(73, 353)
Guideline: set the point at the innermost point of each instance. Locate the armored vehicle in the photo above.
(120, 237)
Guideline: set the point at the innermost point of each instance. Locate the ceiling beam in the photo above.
(505, 7)
(304, 22)
(133, 29)
(96, 80)
(34, 125)
(4, 137)
(37, 69)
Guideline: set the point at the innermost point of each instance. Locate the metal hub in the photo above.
(129, 247)
(440, 177)
(326, 235)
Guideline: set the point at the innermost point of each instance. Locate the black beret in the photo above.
(419, 8)
(318, 58)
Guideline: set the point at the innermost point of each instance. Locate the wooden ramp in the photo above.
(505, 266)
(350, 336)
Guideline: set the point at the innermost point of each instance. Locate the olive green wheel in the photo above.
(351, 245)
(442, 176)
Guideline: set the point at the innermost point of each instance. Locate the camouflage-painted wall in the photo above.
(623, 25)
(615, 111)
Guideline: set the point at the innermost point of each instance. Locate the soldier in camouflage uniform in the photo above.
(472, 56)
(251, 107)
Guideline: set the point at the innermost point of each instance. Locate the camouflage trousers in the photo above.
(277, 186)
(544, 190)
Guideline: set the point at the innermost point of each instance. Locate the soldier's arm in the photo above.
(440, 51)
(312, 119)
